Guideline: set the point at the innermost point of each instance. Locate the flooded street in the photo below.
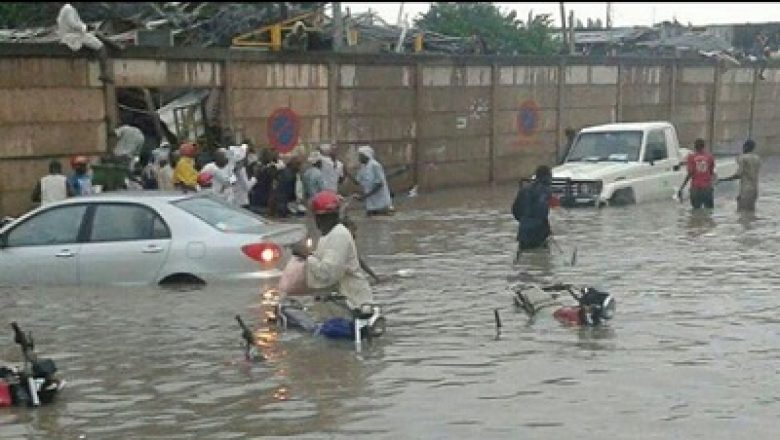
(693, 351)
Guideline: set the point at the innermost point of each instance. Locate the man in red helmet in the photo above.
(80, 182)
(335, 261)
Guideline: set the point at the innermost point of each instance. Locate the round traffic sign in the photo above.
(283, 129)
(528, 118)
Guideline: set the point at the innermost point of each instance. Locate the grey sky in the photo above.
(623, 14)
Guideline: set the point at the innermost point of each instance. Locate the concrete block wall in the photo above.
(693, 99)
(732, 109)
(451, 121)
(375, 105)
(766, 113)
(645, 93)
(455, 125)
(257, 90)
(49, 109)
(526, 119)
(590, 95)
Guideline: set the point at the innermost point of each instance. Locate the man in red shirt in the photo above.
(701, 173)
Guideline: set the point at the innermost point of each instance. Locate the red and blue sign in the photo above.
(283, 129)
(528, 118)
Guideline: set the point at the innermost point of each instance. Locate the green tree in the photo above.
(503, 33)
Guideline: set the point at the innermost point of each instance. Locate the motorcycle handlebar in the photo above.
(19, 336)
(247, 334)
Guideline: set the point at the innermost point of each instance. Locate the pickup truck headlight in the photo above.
(589, 188)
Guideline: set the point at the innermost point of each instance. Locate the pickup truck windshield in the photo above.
(622, 146)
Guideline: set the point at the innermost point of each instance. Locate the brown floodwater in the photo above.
(693, 351)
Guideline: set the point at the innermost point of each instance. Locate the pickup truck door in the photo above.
(661, 160)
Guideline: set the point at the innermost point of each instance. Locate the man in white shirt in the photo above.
(335, 261)
(221, 171)
(129, 141)
(74, 34)
(52, 187)
(243, 182)
(332, 168)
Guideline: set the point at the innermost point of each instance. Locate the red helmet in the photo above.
(325, 202)
(188, 149)
(204, 179)
(78, 160)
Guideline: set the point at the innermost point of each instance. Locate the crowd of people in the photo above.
(271, 184)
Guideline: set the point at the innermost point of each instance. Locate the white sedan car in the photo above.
(128, 238)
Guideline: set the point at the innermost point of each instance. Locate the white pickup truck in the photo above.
(625, 163)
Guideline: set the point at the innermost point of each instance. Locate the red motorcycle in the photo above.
(34, 384)
(593, 307)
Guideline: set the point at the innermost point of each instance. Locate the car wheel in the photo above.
(623, 197)
(179, 279)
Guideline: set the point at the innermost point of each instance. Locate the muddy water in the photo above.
(693, 352)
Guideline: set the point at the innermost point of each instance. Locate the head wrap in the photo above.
(367, 151)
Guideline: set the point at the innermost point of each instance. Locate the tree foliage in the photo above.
(502, 32)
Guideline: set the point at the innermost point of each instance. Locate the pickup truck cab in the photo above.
(625, 163)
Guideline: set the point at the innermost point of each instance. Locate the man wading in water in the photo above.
(747, 173)
(532, 209)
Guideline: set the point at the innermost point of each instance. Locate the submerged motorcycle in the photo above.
(593, 307)
(365, 322)
(36, 383)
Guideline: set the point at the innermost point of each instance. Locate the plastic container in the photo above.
(109, 177)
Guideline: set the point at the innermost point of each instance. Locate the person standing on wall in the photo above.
(52, 187)
(701, 174)
(749, 165)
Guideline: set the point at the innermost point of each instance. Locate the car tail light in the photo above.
(267, 254)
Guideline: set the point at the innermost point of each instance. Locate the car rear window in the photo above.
(221, 215)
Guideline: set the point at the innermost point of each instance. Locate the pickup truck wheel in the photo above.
(623, 197)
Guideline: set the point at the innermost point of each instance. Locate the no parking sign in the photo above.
(528, 118)
(283, 129)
